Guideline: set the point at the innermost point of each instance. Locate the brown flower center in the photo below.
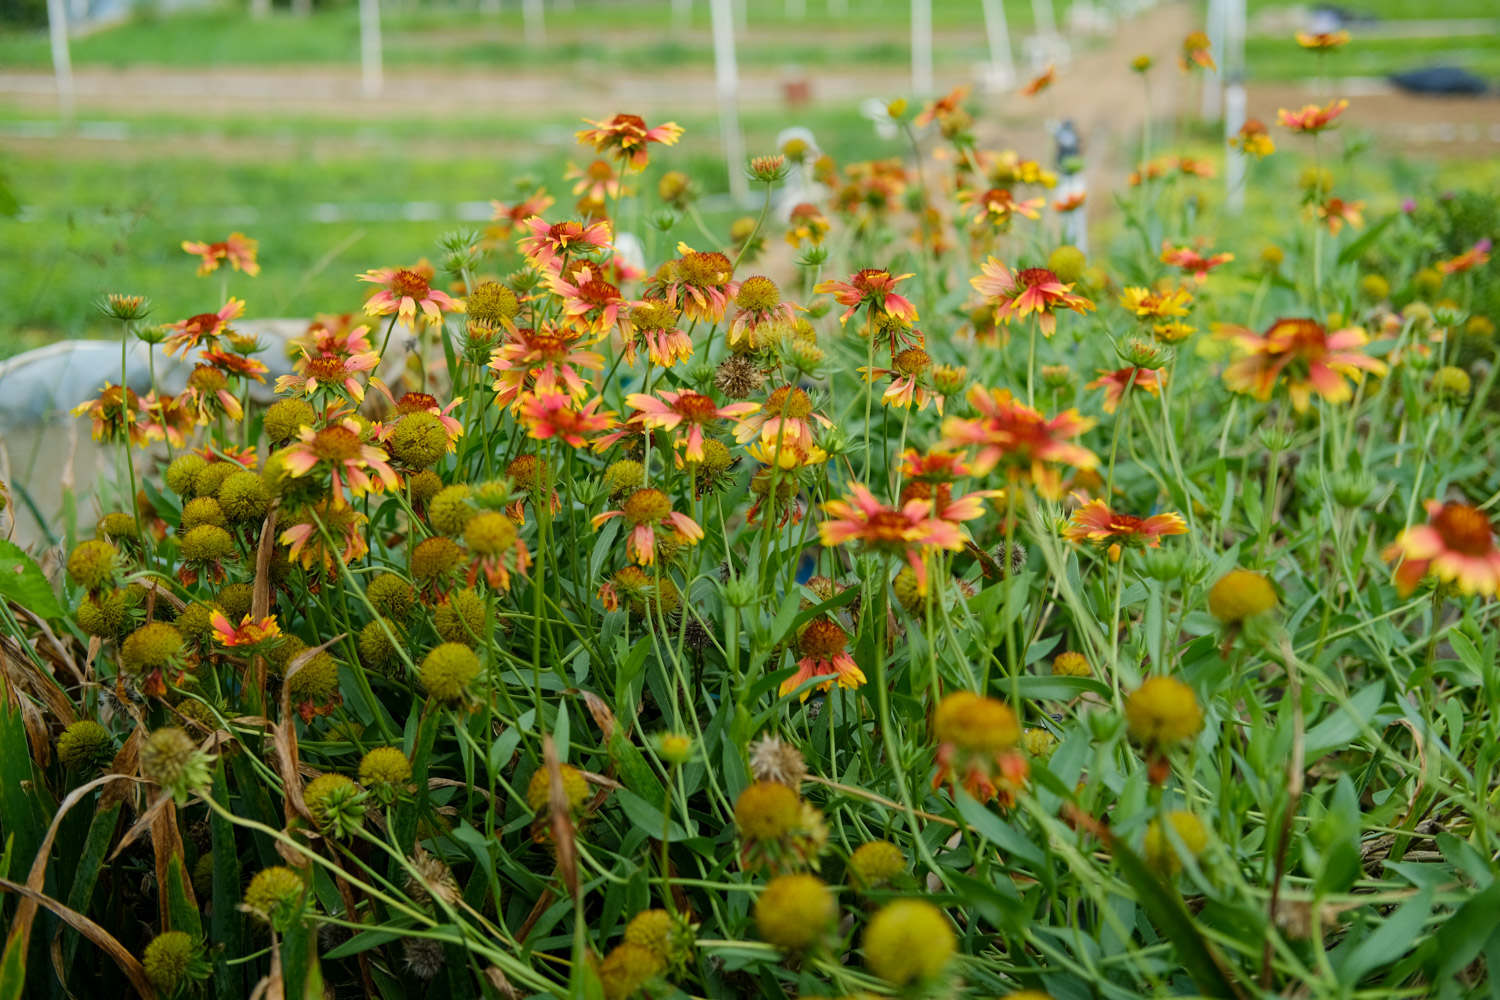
(1034, 276)
(206, 378)
(416, 402)
(647, 506)
(912, 361)
(789, 402)
(758, 294)
(704, 269)
(337, 444)
(696, 408)
(324, 369)
(203, 323)
(407, 282)
(1464, 529)
(598, 293)
(822, 639)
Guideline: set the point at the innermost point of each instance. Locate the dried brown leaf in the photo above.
(560, 818)
(93, 932)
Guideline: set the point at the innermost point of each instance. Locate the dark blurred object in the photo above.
(1439, 80)
(1069, 145)
(23, 13)
(1329, 17)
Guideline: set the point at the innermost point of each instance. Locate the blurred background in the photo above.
(185, 119)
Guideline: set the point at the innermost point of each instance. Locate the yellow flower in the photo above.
(908, 941)
(1159, 851)
(1163, 711)
(1240, 594)
(795, 912)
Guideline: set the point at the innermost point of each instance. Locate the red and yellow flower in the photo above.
(1031, 290)
(1476, 256)
(549, 244)
(249, 632)
(1010, 434)
(341, 357)
(654, 324)
(342, 450)
(1040, 82)
(1197, 52)
(1253, 139)
(542, 362)
(1311, 119)
(115, 413)
(404, 291)
(588, 300)
(625, 137)
(910, 531)
(557, 414)
(1308, 357)
(698, 284)
(685, 414)
(1322, 41)
(508, 218)
(1116, 383)
(1094, 522)
(1336, 213)
(783, 419)
(204, 328)
(345, 529)
(977, 747)
(238, 249)
(644, 511)
(824, 649)
(1456, 545)
(872, 286)
(1191, 261)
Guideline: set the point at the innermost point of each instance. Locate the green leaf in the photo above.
(1167, 911)
(363, 941)
(1338, 729)
(994, 829)
(23, 583)
(1366, 240)
(1394, 937)
(648, 817)
(1460, 938)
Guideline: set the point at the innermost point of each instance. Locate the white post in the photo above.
(921, 48)
(1002, 62)
(534, 28)
(796, 9)
(1234, 101)
(62, 62)
(260, 8)
(372, 76)
(838, 8)
(1046, 23)
(727, 79)
(1213, 80)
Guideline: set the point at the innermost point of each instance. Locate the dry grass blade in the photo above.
(166, 844)
(284, 736)
(560, 818)
(93, 932)
(141, 825)
(604, 716)
(20, 931)
(260, 592)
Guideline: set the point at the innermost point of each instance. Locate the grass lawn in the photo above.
(1284, 59)
(95, 220)
(589, 36)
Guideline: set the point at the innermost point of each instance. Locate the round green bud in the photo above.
(183, 472)
(92, 564)
(447, 672)
(418, 440)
